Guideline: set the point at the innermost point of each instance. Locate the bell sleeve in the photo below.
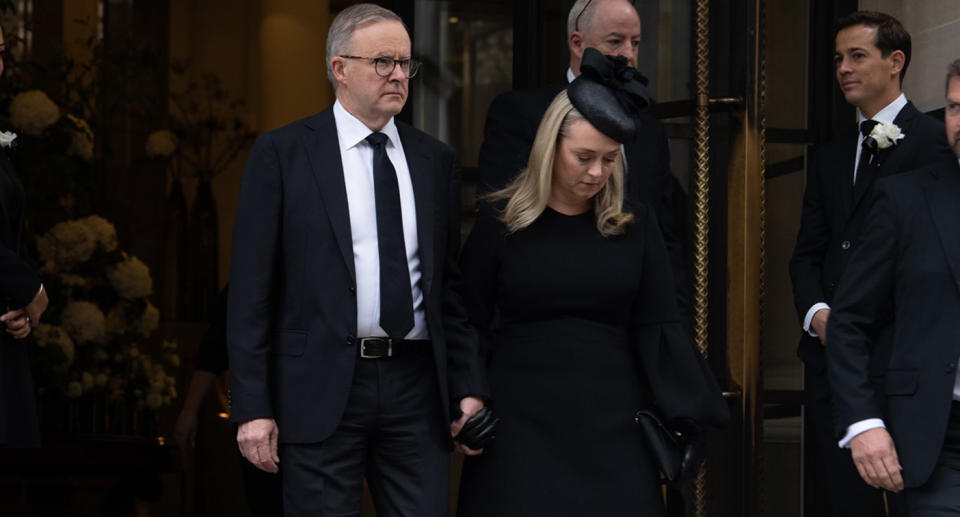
(480, 268)
(679, 378)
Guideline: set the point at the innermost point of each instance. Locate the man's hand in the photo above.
(18, 323)
(36, 308)
(819, 324)
(257, 439)
(21, 322)
(469, 406)
(876, 459)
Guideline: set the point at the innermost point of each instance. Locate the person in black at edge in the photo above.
(262, 489)
(24, 300)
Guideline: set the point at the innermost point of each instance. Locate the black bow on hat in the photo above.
(608, 93)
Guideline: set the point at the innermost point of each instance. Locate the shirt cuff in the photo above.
(859, 427)
(809, 317)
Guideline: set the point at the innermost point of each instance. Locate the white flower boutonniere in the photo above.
(886, 135)
(7, 138)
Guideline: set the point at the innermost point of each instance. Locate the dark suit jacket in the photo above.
(19, 283)
(512, 122)
(832, 219)
(292, 304)
(906, 270)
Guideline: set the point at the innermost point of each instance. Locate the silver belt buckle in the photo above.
(363, 348)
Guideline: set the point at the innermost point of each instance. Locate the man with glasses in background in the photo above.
(613, 28)
(349, 351)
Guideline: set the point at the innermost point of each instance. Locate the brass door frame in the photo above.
(744, 241)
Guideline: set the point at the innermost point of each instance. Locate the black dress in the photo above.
(587, 334)
(19, 283)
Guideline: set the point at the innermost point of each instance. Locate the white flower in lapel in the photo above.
(7, 138)
(886, 135)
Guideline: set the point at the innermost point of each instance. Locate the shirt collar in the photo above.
(570, 76)
(351, 131)
(887, 114)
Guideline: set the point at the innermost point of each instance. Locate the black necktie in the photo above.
(396, 299)
(867, 166)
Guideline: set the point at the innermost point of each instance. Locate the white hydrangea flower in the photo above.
(116, 322)
(131, 278)
(72, 280)
(886, 135)
(149, 320)
(69, 242)
(103, 231)
(153, 400)
(86, 378)
(74, 389)
(83, 321)
(52, 335)
(81, 139)
(161, 144)
(33, 112)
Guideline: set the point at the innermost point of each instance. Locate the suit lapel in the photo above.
(323, 151)
(423, 176)
(891, 159)
(942, 195)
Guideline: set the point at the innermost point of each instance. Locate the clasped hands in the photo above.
(257, 438)
(20, 322)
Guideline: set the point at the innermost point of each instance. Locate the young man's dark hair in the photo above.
(890, 33)
(953, 70)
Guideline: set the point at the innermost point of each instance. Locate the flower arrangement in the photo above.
(207, 129)
(58, 149)
(92, 343)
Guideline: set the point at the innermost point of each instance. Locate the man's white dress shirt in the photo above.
(356, 154)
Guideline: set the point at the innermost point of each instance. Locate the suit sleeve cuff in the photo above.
(809, 317)
(859, 427)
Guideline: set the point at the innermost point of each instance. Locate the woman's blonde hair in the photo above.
(528, 194)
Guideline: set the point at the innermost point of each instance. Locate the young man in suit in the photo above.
(613, 28)
(905, 435)
(871, 56)
(347, 343)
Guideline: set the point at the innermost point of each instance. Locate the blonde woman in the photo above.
(588, 330)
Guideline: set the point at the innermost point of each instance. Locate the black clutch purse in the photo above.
(677, 454)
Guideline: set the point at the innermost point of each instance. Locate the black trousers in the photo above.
(833, 486)
(940, 495)
(391, 432)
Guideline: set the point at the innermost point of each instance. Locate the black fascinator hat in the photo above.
(608, 93)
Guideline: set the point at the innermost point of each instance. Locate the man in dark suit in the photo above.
(906, 271)
(613, 28)
(871, 57)
(347, 344)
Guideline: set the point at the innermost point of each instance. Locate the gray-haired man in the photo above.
(347, 343)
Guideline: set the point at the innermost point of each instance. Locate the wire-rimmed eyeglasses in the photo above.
(386, 65)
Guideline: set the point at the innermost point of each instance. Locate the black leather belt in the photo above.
(380, 347)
